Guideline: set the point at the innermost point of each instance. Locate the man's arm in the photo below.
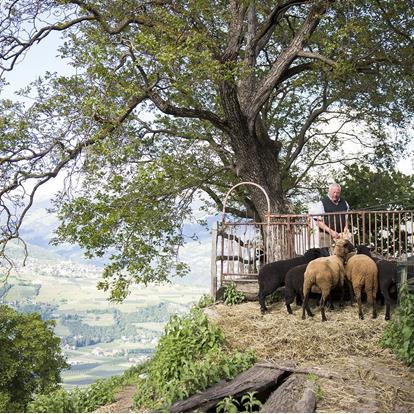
(318, 209)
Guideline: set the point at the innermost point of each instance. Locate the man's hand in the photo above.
(333, 234)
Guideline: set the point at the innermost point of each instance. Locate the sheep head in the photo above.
(343, 247)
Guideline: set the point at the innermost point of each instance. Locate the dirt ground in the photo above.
(122, 404)
(353, 373)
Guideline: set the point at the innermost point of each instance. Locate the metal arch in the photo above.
(245, 183)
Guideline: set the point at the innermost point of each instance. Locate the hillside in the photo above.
(352, 373)
(40, 225)
(99, 339)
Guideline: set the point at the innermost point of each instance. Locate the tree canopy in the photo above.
(381, 189)
(177, 100)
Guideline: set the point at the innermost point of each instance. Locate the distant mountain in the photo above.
(40, 225)
(16, 250)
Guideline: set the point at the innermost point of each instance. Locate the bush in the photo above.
(232, 296)
(84, 400)
(30, 358)
(399, 334)
(204, 301)
(189, 357)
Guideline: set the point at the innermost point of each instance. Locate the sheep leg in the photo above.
(374, 305)
(305, 305)
(357, 292)
(322, 307)
(308, 311)
(289, 298)
(374, 309)
(371, 298)
(262, 297)
(323, 303)
(329, 301)
(341, 300)
(387, 300)
(351, 292)
(387, 311)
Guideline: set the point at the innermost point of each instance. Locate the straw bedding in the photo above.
(355, 374)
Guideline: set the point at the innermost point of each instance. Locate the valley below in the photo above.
(99, 338)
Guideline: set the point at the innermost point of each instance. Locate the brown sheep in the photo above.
(326, 273)
(362, 272)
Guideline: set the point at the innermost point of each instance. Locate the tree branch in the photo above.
(21, 177)
(141, 19)
(301, 137)
(266, 30)
(41, 34)
(167, 108)
(235, 36)
(317, 56)
(285, 59)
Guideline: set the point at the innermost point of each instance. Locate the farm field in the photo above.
(99, 338)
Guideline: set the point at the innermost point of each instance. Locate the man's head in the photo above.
(334, 192)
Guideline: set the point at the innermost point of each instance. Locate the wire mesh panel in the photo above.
(242, 250)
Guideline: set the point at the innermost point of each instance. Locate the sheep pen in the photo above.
(354, 373)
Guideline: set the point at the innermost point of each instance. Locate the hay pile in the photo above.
(356, 374)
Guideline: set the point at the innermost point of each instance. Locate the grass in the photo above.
(89, 373)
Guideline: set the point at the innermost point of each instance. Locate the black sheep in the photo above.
(294, 286)
(272, 275)
(362, 249)
(387, 274)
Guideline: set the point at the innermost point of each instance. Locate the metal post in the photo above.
(214, 237)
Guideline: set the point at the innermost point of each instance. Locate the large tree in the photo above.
(176, 99)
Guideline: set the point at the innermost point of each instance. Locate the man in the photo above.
(330, 225)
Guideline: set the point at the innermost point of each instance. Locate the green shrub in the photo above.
(189, 357)
(83, 400)
(232, 296)
(30, 358)
(317, 386)
(399, 334)
(250, 402)
(228, 405)
(204, 301)
(58, 401)
(231, 405)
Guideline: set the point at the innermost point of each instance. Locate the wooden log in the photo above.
(295, 395)
(291, 367)
(257, 378)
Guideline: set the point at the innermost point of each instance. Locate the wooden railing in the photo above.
(240, 248)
